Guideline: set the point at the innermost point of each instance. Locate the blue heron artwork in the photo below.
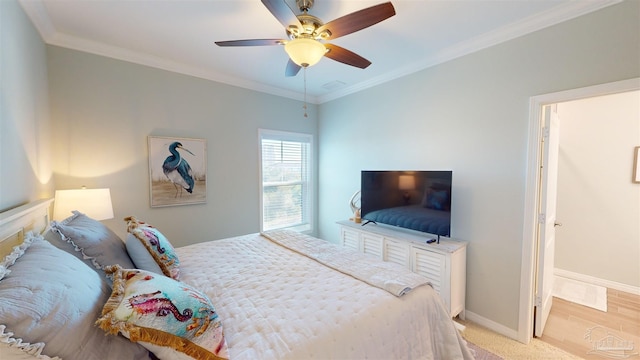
(177, 171)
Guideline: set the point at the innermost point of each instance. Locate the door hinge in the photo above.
(538, 301)
(545, 132)
(542, 217)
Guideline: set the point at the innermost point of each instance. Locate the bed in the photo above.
(278, 295)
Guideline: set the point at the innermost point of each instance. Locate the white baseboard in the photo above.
(491, 325)
(458, 326)
(597, 281)
(513, 334)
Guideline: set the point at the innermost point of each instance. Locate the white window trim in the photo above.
(290, 136)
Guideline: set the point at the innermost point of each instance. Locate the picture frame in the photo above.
(173, 184)
(636, 165)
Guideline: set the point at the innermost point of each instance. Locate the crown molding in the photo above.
(36, 11)
(140, 58)
(517, 29)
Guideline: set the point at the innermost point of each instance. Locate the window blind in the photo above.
(286, 174)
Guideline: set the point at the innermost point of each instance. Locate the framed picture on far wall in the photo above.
(177, 171)
(636, 164)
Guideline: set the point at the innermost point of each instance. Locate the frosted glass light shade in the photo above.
(305, 52)
(95, 203)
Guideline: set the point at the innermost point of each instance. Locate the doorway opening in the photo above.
(531, 251)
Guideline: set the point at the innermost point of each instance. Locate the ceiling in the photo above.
(179, 35)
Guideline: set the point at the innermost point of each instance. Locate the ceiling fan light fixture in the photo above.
(305, 52)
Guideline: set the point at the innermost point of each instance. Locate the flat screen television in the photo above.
(415, 200)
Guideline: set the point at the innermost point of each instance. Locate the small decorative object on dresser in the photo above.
(444, 264)
(354, 203)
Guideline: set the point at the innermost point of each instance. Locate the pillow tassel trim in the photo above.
(133, 225)
(185, 346)
(34, 350)
(161, 262)
(111, 325)
(107, 321)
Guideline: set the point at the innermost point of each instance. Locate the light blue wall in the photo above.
(25, 171)
(470, 115)
(104, 109)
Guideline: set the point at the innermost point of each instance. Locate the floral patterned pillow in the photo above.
(150, 250)
(170, 318)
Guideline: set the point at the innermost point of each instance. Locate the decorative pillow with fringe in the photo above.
(170, 318)
(49, 301)
(90, 241)
(150, 250)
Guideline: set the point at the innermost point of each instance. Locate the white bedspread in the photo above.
(277, 304)
(385, 275)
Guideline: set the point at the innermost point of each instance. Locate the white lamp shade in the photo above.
(305, 52)
(95, 203)
(406, 182)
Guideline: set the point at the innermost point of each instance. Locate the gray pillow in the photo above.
(90, 241)
(48, 296)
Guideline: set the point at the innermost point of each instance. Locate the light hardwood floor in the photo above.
(594, 334)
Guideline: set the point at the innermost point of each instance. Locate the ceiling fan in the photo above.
(307, 34)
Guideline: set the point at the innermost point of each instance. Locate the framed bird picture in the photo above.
(177, 171)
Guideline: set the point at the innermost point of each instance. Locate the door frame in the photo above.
(533, 186)
(546, 234)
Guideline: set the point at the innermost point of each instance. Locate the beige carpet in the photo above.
(480, 353)
(507, 348)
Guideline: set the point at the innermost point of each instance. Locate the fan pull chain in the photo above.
(304, 69)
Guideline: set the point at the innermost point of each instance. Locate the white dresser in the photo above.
(444, 264)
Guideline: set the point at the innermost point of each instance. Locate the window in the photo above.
(286, 187)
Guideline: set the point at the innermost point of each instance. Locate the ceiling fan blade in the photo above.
(345, 56)
(358, 20)
(251, 42)
(282, 12)
(292, 69)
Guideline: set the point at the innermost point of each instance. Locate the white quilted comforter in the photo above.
(385, 275)
(277, 304)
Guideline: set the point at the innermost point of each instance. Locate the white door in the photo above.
(547, 219)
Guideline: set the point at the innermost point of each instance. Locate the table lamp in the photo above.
(95, 203)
